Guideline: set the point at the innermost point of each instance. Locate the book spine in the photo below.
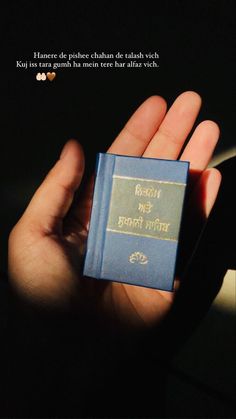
(97, 229)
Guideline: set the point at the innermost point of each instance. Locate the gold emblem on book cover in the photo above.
(138, 257)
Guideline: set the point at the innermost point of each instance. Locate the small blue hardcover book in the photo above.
(135, 220)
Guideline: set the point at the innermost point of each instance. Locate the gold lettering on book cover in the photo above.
(156, 225)
(145, 207)
(150, 192)
(130, 222)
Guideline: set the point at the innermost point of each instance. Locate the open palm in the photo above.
(46, 246)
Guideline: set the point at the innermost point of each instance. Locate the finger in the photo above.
(175, 127)
(201, 145)
(53, 199)
(208, 186)
(141, 127)
(204, 194)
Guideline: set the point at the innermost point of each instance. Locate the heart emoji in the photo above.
(51, 76)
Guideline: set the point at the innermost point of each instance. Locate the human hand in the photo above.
(47, 244)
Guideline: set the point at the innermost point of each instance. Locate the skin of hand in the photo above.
(46, 246)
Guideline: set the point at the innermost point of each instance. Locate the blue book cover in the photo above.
(135, 220)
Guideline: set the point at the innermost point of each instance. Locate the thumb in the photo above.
(53, 198)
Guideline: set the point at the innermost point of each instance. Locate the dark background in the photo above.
(195, 40)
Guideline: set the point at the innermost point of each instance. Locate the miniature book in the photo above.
(135, 220)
